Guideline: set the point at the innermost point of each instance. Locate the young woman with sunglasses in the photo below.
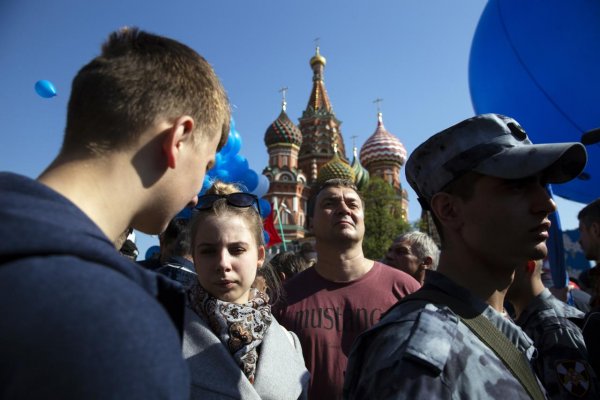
(234, 346)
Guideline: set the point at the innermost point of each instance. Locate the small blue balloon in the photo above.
(265, 208)
(266, 237)
(45, 89)
(223, 175)
(250, 179)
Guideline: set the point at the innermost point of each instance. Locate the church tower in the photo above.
(287, 190)
(319, 126)
(383, 155)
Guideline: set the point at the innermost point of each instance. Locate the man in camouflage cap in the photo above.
(485, 184)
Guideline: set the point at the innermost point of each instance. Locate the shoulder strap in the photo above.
(490, 335)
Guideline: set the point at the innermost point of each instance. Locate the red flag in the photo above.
(269, 227)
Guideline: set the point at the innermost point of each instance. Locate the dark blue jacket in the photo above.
(77, 319)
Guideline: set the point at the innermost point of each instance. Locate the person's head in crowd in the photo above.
(308, 252)
(589, 230)
(288, 264)
(175, 240)
(485, 183)
(413, 253)
(336, 212)
(227, 242)
(150, 111)
(267, 281)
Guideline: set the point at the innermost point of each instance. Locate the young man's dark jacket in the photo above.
(77, 319)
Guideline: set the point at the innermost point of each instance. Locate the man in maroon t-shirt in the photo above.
(344, 294)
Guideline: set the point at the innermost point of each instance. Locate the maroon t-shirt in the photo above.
(327, 317)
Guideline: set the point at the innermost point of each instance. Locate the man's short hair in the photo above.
(491, 145)
(421, 246)
(336, 182)
(590, 213)
(138, 78)
(177, 237)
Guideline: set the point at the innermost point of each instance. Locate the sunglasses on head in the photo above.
(239, 199)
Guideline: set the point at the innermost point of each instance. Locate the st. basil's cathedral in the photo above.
(313, 151)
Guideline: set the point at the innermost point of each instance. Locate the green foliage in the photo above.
(383, 218)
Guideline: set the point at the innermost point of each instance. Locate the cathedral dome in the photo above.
(317, 59)
(382, 146)
(283, 130)
(336, 168)
(361, 175)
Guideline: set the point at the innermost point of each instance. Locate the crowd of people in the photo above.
(212, 318)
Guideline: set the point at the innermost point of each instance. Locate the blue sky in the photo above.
(412, 53)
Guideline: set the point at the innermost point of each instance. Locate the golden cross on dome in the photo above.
(316, 40)
(353, 141)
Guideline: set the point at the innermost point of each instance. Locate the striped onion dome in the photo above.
(283, 130)
(335, 168)
(361, 175)
(382, 146)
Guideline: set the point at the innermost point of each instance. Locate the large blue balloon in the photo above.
(249, 179)
(540, 65)
(236, 166)
(45, 89)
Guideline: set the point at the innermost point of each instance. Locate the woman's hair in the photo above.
(221, 207)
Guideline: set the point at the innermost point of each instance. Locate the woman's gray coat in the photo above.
(280, 373)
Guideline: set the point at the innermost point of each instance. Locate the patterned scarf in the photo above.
(240, 327)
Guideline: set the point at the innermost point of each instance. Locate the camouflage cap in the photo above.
(492, 145)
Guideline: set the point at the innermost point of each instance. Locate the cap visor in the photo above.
(560, 162)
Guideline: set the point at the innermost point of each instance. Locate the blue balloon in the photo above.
(223, 175)
(249, 179)
(539, 65)
(266, 237)
(152, 252)
(263, 186)
(232, 147)
(265, 208)
(236, 166)
(45, 89)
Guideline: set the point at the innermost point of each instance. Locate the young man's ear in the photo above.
(446, 208)
(178, 133)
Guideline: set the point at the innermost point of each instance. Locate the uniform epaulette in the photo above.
(433, 334)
